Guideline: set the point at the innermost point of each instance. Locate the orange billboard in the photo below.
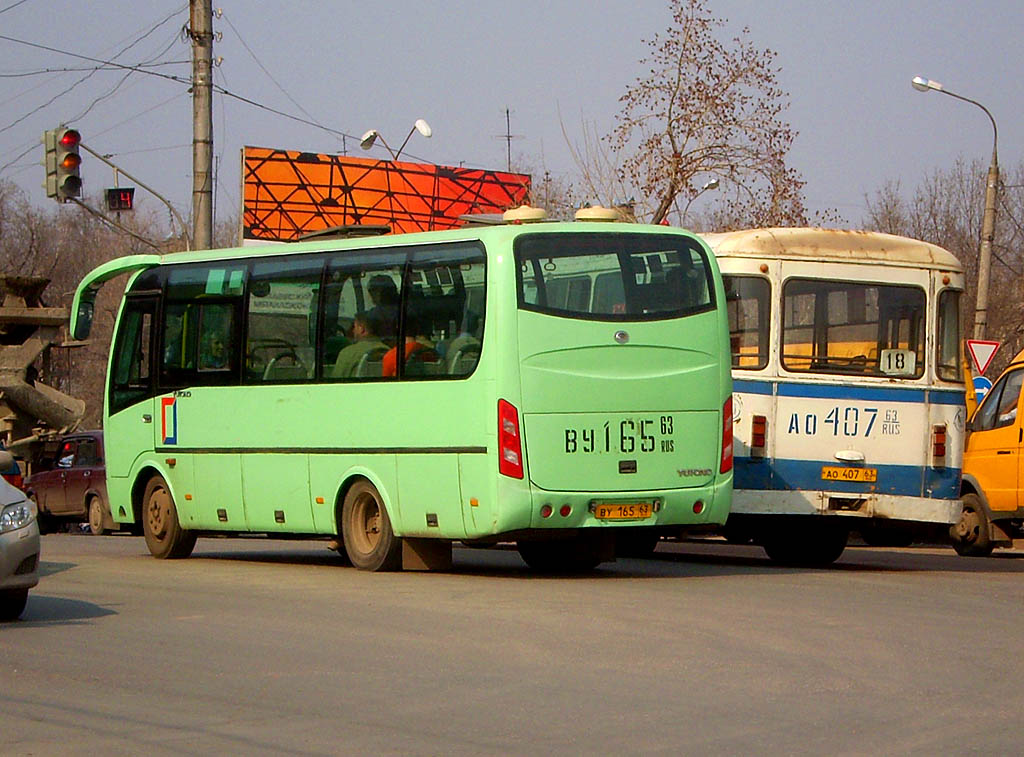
(288, 194)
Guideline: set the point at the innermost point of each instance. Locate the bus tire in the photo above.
(805, 546)
(560, 555)
(970, 535)
(370, 542)
(165, 537)
(95, 510)
(12, 604)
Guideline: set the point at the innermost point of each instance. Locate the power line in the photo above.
(109, 63)
(15, 5)
(104, 63)
(69, 69)
(269, 75)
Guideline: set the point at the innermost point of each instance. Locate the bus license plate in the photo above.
(839, 473)
(630, 511)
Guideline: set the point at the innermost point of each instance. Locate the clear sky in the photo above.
(556, 64)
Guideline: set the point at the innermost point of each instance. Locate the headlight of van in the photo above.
(17, 516)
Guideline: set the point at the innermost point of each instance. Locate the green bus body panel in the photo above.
(250, 463)
(278, 458)
(652, 404)
(655, 460)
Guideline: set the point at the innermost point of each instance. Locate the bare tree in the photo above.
(63, 243)
(946, 209)
(708, 109)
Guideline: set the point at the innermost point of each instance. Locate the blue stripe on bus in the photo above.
(850, 392)
(805, 475)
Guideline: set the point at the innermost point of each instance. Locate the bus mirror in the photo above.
(83, 318)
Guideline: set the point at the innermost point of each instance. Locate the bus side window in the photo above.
(284, 299)
(748, 306)
(442, 320)
(201, 329)
(132, 381)
(361, 303)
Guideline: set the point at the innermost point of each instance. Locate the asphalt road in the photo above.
(270, 647)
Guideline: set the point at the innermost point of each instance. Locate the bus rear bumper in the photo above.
(849, 505)
(679, 508)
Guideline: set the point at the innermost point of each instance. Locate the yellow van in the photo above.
(993, 470)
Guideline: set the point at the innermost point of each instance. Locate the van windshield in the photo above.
(612, 277)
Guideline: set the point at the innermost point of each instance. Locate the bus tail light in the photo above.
(510, 448)
(726, 464)
(758, 435)
(939, 445)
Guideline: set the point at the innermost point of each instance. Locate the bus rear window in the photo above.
(853, 328)
(613, 277)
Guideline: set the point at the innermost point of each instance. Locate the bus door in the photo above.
(132, 415)
(199, 365)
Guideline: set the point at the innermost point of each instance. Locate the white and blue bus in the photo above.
(848, 402)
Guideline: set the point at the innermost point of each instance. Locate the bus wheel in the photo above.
(970, 534)
(805, 546)
(165, 537)
(12, 604)
(370, 542)
(96, 516)
(560, 555)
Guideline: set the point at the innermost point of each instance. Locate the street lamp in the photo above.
(988, 224)
(369, 138)
(709, 184)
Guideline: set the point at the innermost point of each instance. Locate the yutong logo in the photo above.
(691, 472)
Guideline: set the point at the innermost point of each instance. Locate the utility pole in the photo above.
(508, 136)
(201, 31)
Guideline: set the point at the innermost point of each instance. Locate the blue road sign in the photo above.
(981, 387)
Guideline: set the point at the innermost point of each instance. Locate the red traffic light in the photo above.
(70, 138)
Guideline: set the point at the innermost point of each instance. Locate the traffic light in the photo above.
(63, 179)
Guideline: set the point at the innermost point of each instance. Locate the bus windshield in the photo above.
(612, 277)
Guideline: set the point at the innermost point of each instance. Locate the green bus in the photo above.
(563, 386)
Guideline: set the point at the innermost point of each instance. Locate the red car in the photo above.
(72, 486)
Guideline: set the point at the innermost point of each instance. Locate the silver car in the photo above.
(19, 547)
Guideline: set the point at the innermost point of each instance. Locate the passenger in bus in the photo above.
(365, 332)
(468, 335)
(384, 295)
(415, 351)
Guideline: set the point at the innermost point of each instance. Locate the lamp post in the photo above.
(369, 138)
(988, 223)
(710, 184)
